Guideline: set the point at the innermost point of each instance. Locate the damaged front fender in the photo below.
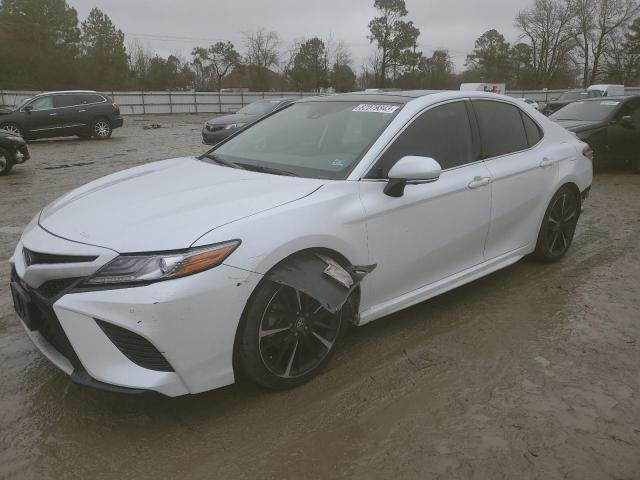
(320, 277)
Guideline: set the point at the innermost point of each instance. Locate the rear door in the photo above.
(89, 106)
(437, 229)
(523, 172)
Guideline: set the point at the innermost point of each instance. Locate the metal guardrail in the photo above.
(141, 103)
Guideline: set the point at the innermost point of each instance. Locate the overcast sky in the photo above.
(170, 26)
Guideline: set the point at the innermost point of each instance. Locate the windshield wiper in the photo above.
(263, 169)
(221, 161)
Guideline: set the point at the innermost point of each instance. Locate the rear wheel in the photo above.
(558, 225)
(285, 337)
(101, 128)
(6, 162)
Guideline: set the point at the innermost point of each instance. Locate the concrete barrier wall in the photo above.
(140, 103)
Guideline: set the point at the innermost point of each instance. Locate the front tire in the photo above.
(6, 162)
(285, 337)
(12, 128)
(558, 226)
(101, 128)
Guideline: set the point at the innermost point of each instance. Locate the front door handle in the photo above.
(81, 111)
(53, 114)
(545, 163)
(479, 182)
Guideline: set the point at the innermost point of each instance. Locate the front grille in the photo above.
(46, 323)
(136, 348)
(38, 258)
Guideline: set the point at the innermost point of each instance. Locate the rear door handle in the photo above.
(53, 114)
(479, 182)
(546, 163)
(81, 111)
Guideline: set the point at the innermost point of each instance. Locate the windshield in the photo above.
(574, 96)
(587, 111)
(315, 139)
(261, 107)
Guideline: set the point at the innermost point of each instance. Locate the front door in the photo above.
(434, 230)
(43, 117)
(624, 138)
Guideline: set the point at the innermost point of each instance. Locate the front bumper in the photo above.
(214, 137)
(189, 322)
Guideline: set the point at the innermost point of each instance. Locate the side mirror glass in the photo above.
(28, 109)
(414, 170)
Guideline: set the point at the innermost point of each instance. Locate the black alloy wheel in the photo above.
(559, 225)
(285, 337)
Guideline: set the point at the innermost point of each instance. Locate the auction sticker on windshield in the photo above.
(376, 108)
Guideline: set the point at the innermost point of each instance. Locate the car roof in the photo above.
(401, 96)
(64, 91)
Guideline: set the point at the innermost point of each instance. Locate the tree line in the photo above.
(561, 44)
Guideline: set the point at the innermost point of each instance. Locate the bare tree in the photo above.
(548, 27)
(262, 54)
(596, 24)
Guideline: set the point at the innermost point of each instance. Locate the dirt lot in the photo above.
(533, 372)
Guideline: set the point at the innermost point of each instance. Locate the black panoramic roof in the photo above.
(375, 97)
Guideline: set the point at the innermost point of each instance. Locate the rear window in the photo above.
(64, 101)
(534, 134)
(90, 98)
(501, 128)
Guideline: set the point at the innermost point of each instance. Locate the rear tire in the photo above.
(101, 128)
(558, 225)
(285, 338)
(6, 162)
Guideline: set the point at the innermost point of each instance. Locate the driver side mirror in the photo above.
(28, 109)
(411, 170)
(627, 121)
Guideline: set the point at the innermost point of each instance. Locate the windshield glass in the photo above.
(260, 107)
(573, 96)
(586, 111)
(311, 139)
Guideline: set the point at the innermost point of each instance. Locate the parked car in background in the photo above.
(13, 151)
(528, 101)
(219, 128)
(83, 113)
(611, 126)
(609, 90)
(178, 276)
(568, 97)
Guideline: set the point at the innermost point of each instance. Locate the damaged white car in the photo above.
(180, 275)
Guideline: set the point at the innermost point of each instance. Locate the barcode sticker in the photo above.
(376, 108)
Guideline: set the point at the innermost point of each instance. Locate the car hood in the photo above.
(235, 118)
(577, 125)
(167, 205)
(6, 111)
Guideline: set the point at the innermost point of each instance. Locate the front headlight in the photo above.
(235, 125)
(154, 267)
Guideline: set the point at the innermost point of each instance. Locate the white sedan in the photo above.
(251, 260)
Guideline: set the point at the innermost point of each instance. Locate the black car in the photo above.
(219, 128)
(567, 97)
(62, 114)
(611, 127)
(13, 150)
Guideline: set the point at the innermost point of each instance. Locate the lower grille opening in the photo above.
(136, 348)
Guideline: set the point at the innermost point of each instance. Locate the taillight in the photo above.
(116, 107)
(587, 151)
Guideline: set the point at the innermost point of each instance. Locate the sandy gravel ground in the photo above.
(533, 372)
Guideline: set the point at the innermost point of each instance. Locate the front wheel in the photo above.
(285, 337)
(6, 162)
(558, 226)
(12, 128)
(101, 128)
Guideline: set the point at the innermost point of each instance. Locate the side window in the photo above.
(42, 103)
(64, 101)
(534, 134)
(442, 133)
(632, 109)
(501, 128)
(86, 99)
